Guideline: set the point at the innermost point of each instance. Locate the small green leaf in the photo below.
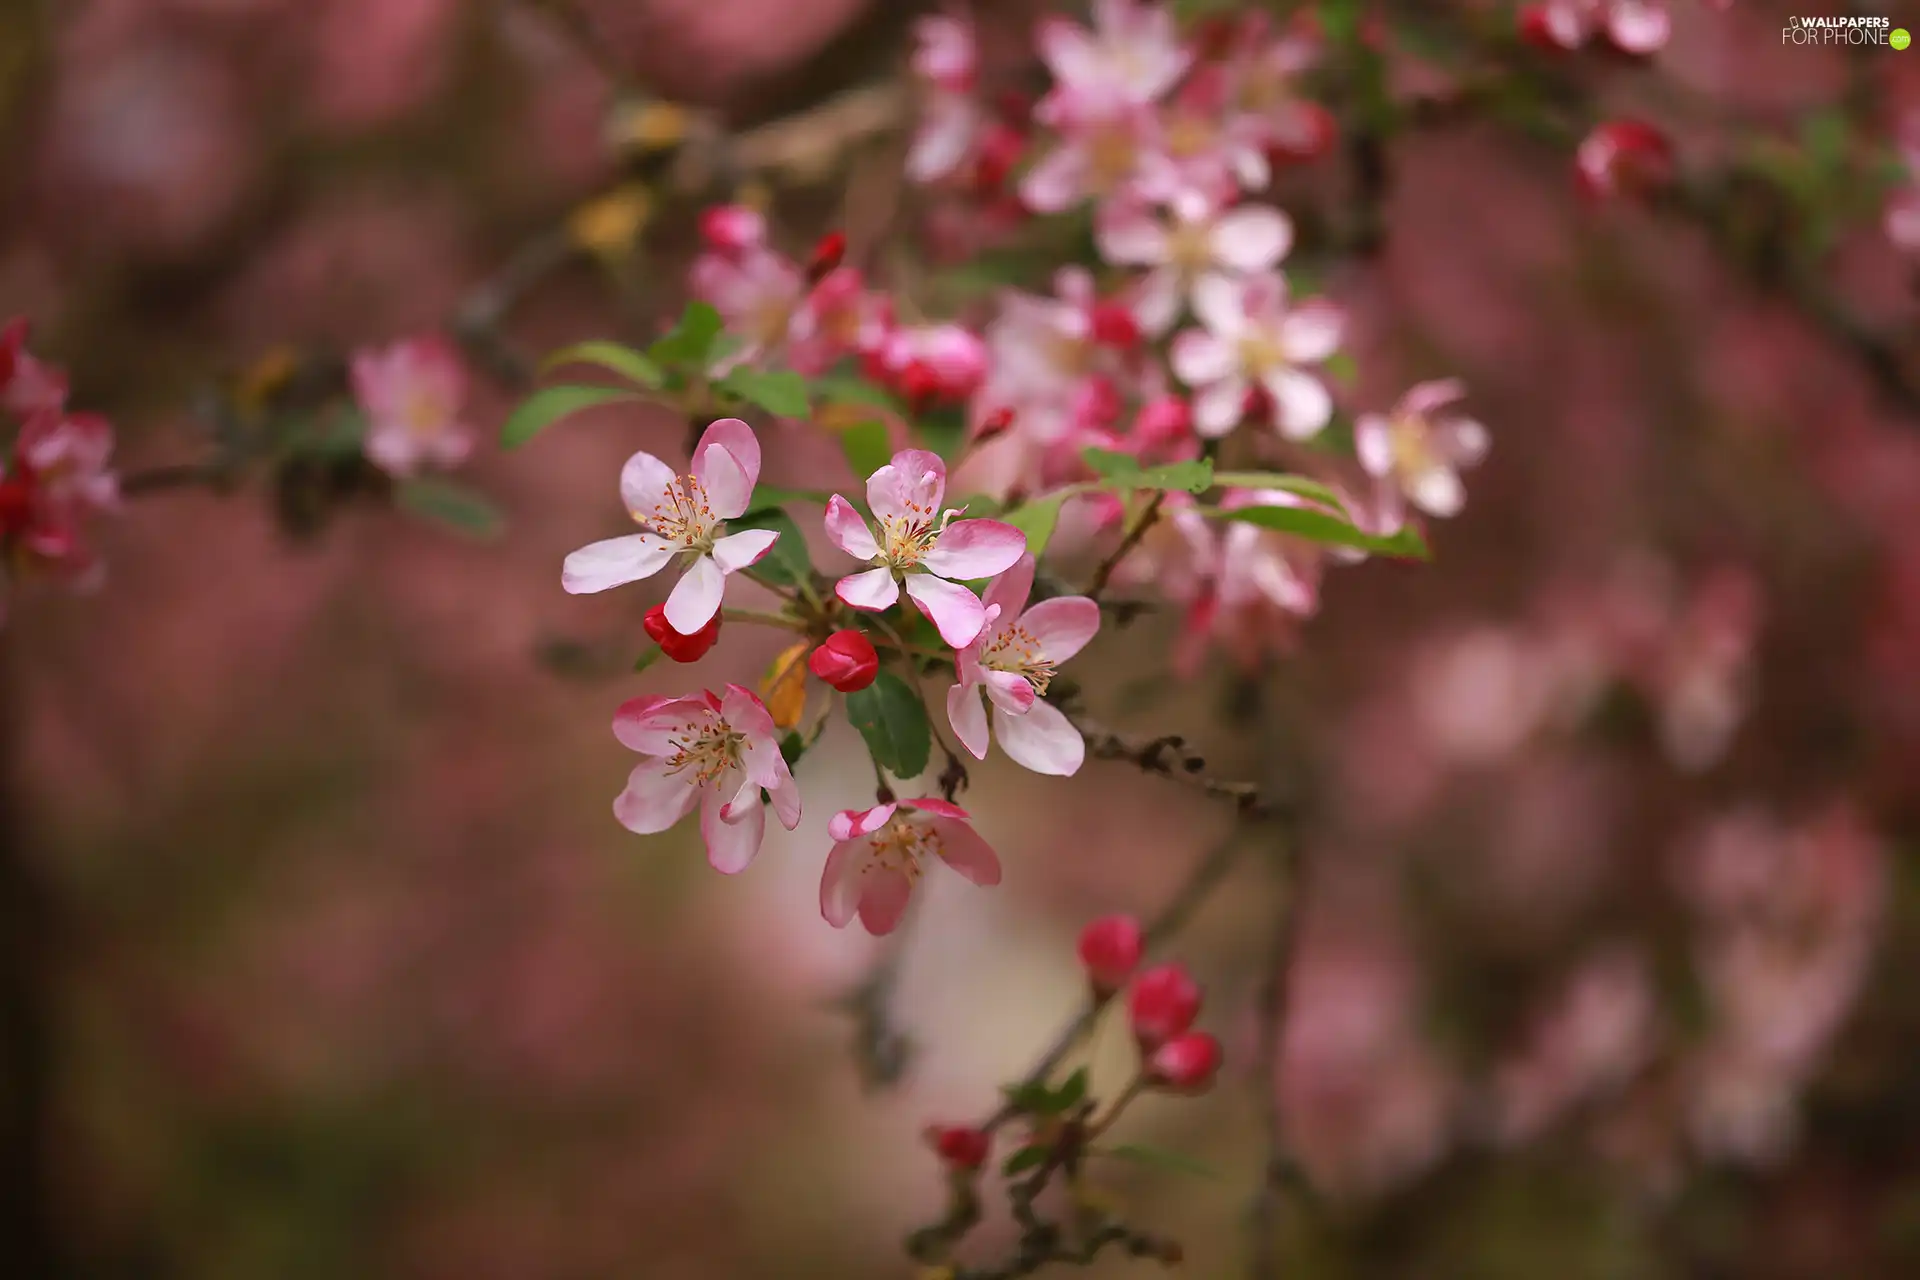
(1036, 518)
(943, 430)
(868, 448)
(1069, 1094)
(788, 563)
(632, 365)
(647, 659)
(1140, 1153)
(1024, 1159)
(792, 747)
(550, 404)
(766, 495)
(892, 719)
(689, 345)
(1123, 471)
(454, 505)
(1319, 526)
(1031, 1097)
(1312, 490)
(851, 388)
(780, 392)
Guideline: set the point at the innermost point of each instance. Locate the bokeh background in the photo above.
(326, 958)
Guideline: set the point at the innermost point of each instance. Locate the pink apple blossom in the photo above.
(68, 455)
(1012, 661)
(684, 515)
(1253, 338)
(920, 547)
(937, 363)
(1102, 150)
(1198, 240)
(1421, 446)
(951, 120)
(879, 854)
(1133, 54)
(838, 317)
(756, 291)
(732, 228)
(412, 393)
(716, 751)
(1638, 27)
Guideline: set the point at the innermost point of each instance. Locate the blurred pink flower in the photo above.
(1252, 338)
(1199, 241)
(412, 394)
(1421, 446)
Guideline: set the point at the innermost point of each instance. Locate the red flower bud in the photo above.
(996, 155)
(1163, 1003)
(1114, 326)
(1623, 157)
(16, 503)
(960, 1147)
(1537, 28)
(827, 255)
(846, 661)
(1110, 950)
(732, 228)
(1185, 1064)
(679, 647)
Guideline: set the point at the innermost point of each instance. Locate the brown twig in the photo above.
(1104, 573)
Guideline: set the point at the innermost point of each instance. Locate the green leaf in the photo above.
(788, 563)
(851, 388)
(943, 430)
(689, 345)
(647, 659)
(1159, 1158)
(868, 448)
(1319, 526)
(1312, 490)
(1024, 1159)
(1122, 470)
(454, 505)
(892, 719)
(550, 404)
(1069, 1094)
(780, 392)
(1037, 518)
(792, 747)
(632, 365)
(766, 495)
(1342, 369)
(1031, 1097)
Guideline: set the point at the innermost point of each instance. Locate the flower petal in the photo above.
(1221, 305)
(742, 550)
(644, 484)
(1252, 238)
(1437, 491)
(1302, 405)
(969, 549)
(1062, 626)
(1054, 183)
(1311, 331)
(1008, 690)
(884, 900)
(849, 824)
(847, 530)
(1219, 408)
(654, 799)
(955, 611)
(652, 724)
(1130, 236)
(963, 849)
(731, 842)
(873, 590)
(909, 487)
(840, 882)
(1200, 359)
(1373, 443)
(968, 716)
(1042, 740)
(724, 478)
(615, 562)
(696, 597)
(1009, 591)
(737, 438)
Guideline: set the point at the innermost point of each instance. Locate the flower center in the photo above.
(683, 515)
(1015, 649)
(424, 415)
(1189, 134)
(902, 845)
(706, 751)
(1189, 247)
(1261, 352)
(1412, 446)
(1110, 156)
(907, 539)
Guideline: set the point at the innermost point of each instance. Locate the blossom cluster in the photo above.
(55, 476)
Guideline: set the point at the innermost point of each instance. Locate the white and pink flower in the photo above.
(920, 547)
(1421, 447)
(1133, 54)
(714, 751)
(1197, 240)
(1013, 661)
(412, 393)
(880, 853)
(946, 61)
(682, 515)
(757, 293)
(1252, 338)
(1639, 27)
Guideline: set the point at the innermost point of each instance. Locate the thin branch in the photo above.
(1104, 573)
(1167, 756)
